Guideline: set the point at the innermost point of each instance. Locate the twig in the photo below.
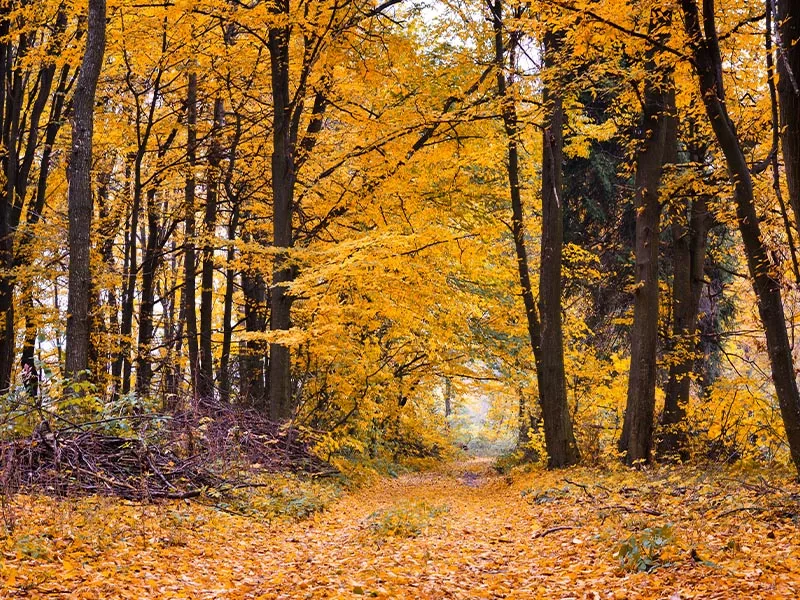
(584, 487)
(740, 509)
(629, 509)
(541, 534)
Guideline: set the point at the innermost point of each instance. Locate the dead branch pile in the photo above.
(242, 436)
(195, 453)
(87, 462)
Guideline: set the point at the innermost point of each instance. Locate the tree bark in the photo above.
(708, 64)
(174, 331)
(80, 193)
(562, 449)
(252, 371)
(689, 251)
(206, 379)
(283, 176)
(788, 20)
(227, 316)
(189, 283)
(635, 443)
(144, 368)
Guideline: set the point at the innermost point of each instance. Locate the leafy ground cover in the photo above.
(460, 532)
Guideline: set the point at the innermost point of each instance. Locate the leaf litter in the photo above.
(669, 532)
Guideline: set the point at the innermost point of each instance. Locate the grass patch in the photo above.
(281, 497)
(405, 520)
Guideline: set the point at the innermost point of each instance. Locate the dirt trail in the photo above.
(464, 532)
(493, 537)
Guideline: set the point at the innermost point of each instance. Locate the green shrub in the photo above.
(280, 497)
(642, 551)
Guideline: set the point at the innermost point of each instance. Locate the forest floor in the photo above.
(460, 532)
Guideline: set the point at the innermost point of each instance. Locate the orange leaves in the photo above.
(489, 543)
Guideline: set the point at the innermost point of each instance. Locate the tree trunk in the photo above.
(173, 326)
(636, 440)
(252, 370)
(562, 448)
(206, 380)
(448, 397)
(708, 64)
(788, 20)
(80, 193)
(283, 175)
(144, 367)
(689, 252)
(227, 326)
(6, 243)
(189, 284)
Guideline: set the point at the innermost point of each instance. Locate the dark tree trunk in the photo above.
(173, 328)
(206, 380)
(189, 285)
(144, 367)
(776, 137)
(107, 229)
(559, 438)
(689, 235)
(9, 117)
(562, 448)
(635, 443)
(30, 374)
(80, 193)
(227, 326)
(708, 63)
(252, 370)
(234, 197)
(788, 20)
(283, 176)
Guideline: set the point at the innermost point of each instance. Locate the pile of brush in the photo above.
(201, 450)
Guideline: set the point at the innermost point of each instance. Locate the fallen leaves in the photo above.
(489, 542)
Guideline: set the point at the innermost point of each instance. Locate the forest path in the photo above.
(459, 532)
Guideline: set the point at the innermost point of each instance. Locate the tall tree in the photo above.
(283, 180)
(562, 448)
(788, 21)
(189, 284)
(80, 192)
(704, 43)
(659, 126)
(545, 335)
(294, 99)
(206, 381)
(690, 228)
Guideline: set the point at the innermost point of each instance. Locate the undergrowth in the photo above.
(406, 520)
